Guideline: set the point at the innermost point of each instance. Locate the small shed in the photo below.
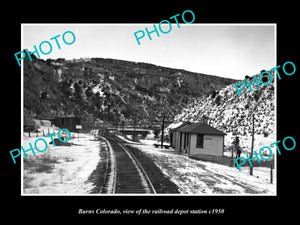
(200, 139)
(67, 122)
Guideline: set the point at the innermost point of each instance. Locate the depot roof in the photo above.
(179, 125)
(201, 128)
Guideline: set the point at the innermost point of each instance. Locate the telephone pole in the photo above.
(134, 133)
(256, 99)
(162, 132)
(252, 143)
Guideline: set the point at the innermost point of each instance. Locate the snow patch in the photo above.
(71, 167)
(207, 178)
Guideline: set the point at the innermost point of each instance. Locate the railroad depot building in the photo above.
(198, 139)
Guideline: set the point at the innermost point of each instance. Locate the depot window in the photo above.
(199, 143)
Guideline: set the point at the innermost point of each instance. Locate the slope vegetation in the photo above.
(232, 114)
(111, 90)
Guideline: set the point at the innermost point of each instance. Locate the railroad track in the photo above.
(125, 174)
(110, 171)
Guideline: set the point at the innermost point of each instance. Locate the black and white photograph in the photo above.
(177, 113)
(145, 112)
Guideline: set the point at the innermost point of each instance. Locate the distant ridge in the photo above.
(116, 91)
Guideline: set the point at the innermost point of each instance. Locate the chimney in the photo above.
(205, 119)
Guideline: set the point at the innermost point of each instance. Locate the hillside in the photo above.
(232, 114)
(111, 90)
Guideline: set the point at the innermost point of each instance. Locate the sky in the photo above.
(226, 50)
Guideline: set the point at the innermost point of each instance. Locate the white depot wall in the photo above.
(212, 145)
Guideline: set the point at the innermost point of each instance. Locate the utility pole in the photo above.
(271, 174)
(162, 132)
(116, 127)
(134, 133)
(252, 143)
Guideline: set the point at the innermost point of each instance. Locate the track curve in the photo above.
(126, 175)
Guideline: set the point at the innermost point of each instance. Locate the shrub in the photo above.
(218, 100)
(266, 134)
(41, 164)
(214, 93)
